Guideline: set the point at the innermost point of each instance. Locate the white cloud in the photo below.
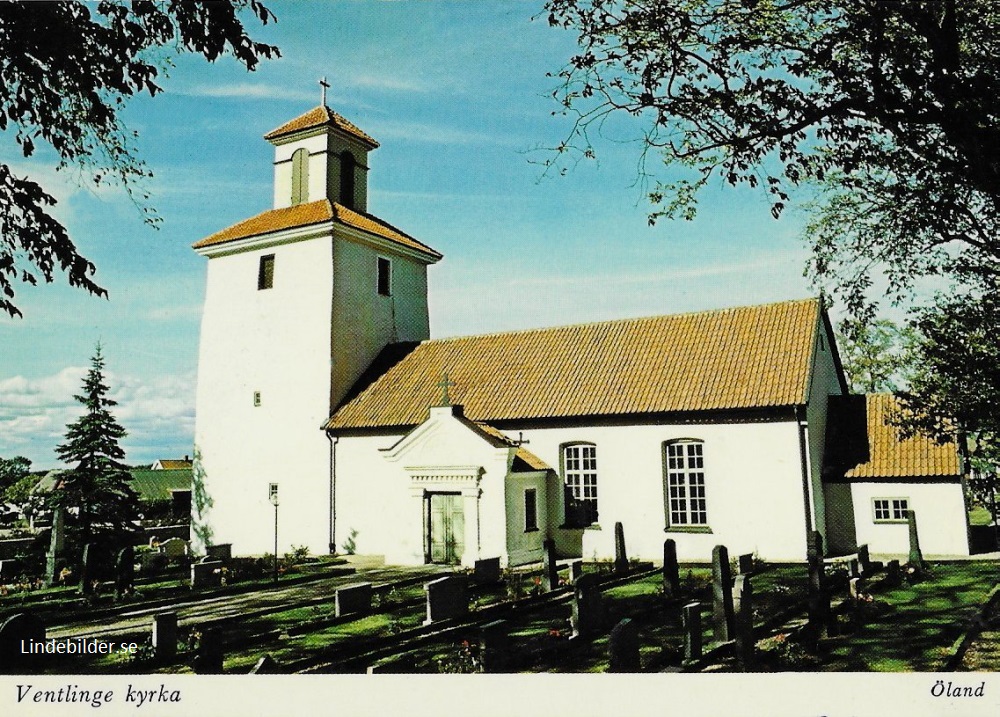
(250, 90)
(158, 414)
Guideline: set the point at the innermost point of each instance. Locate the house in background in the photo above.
(171, 464)
(319, 386)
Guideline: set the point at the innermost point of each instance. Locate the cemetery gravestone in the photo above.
(210, 654)
(223, 551)
(671, 570)
(165, 635)
(446, 599)
(174, 548)
(621, 557)
(494, 644)
(623, 645)
(22, 627)
(9, 569)
(854, 588)
(893, 575)
(550, 568)
(587, 606)
(487, 571)
(266, 665)
(722, 595)
(854, 568)
(865, 561)
(746, 564)
(916, 557)
(356, 598)
(57, 542)
(575, 571)
(125, 570)
(206, 573)
(743, 603)
(692, 632)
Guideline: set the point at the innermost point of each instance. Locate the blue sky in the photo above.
(458, 97)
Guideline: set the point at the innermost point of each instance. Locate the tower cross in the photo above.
(324, 85)
(444, 384)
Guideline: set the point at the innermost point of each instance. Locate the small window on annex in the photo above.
(384, 277)
(684, 484)
(265, 272)
(579, 462)
(530, 510)
(300, 176)
(890, 510)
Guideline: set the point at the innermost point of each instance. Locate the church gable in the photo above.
(447, 439)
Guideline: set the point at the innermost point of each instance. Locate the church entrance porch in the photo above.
(444, 541)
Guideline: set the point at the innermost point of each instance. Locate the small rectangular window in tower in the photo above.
(256, 398)
(384, 277)
(265, 272)
(530, 510)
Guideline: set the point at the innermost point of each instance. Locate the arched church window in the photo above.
(579, 463)
(300, 176)
(347, 168)
(684, 484)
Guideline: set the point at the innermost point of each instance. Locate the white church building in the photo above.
(318, 382)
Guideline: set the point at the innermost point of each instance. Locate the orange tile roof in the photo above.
(528, 459)
(318, 117)
(864, 444)
(301, 215)
(749, 357)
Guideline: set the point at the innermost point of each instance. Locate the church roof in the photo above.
(868, 447)
(740, 358)
(301, 215)
(318, 117)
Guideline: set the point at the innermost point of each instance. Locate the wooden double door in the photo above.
(444, 541)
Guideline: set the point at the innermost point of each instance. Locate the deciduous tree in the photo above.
(68, 69)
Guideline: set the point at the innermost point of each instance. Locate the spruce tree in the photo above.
(97, 493)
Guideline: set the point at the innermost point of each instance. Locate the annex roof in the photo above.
(865, 445)
(168, 464)
(160, 484)
(748, 357)
(318, 212)
(319, 117)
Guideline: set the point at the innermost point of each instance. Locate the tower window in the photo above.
(384, 277)
(300, 176)
(347, 165)
(256, 399)
(265, 272)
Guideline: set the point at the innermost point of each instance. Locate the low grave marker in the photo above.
(723, 617)
(588, 608)
(165, 635)
(671, 570)
(446, 598)
(487, 571)
(354, 598)
(623, 646)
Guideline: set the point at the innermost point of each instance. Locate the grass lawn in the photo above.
(917, 629)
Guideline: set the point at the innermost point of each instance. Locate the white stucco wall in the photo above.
(275, 341)
(942, 520)
(364, 322)
(525, 546)
(753, 487)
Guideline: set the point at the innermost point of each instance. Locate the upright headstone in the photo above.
(125, 570)
(9, 569)
(623, 646)
(88, 564)
(447, 598)
(206, 573)
(854, 568)
(57, 546)
(743, 603)
(575, 571)
(355, 598)
(814, 556)
(23, 628)
(174, 548)
(671, 570)
(692, 632)
(746, 564)
(621, 556)
(494, 646)
(210, 655)
(487, 571)
(854, 588)
(723, 617)
(893, 575)
(916, 557)
(550, 568)
(222, 551)
(587, 606)
(165, 635)
(266, 665)
(864, 561)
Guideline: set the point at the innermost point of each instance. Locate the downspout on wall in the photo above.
(807, 498)
(333, 492)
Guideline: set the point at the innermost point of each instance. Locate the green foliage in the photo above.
(875, 355)
(350, 545)
(68, 70)
(98, 486)
(13, 470)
